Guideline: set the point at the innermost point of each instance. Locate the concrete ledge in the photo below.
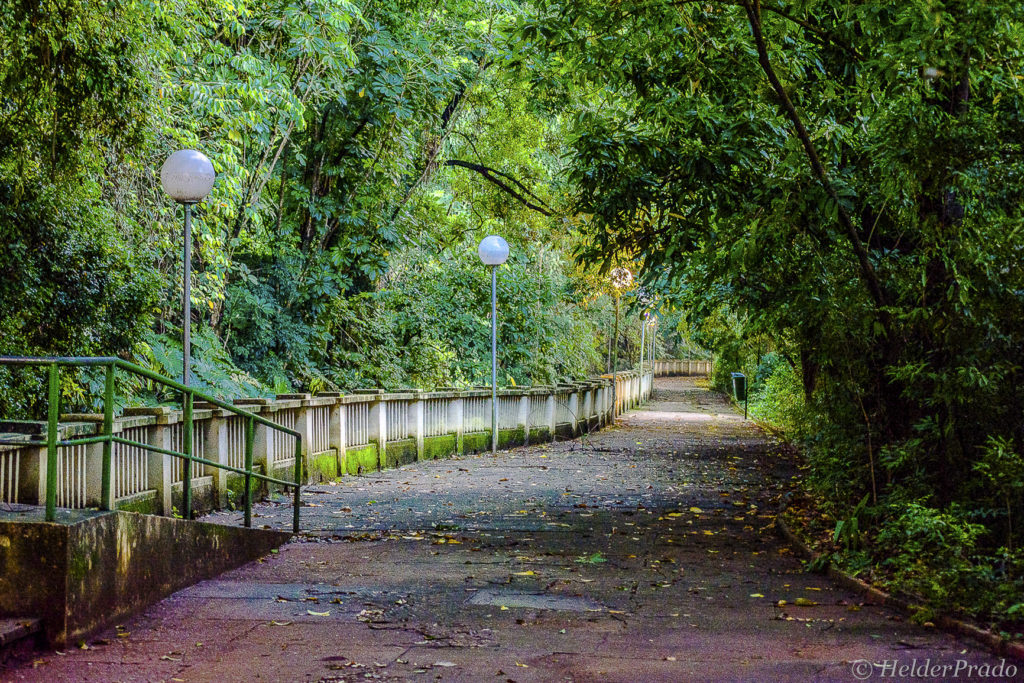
(95, 568)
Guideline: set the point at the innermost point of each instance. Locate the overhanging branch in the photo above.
(867, 270)
(495, 176)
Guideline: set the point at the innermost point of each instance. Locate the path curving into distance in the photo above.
(644, 552)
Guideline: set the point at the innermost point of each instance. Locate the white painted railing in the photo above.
(397, 418)
(280, 446)
(320, 422)
(129, 474)
(476, 415)
(71, 476)
(357, 425)
(435, 417)
(362, 431)
(508, 412)
(690, 368)
(10, 474)
(538, 410)
(563, 413)
(234, 441)
(198, 450)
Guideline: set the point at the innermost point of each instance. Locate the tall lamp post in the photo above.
(493, 252)
(187, 176)
(643, 343)
(621, 278)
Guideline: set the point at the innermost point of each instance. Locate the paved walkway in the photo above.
(641, 553)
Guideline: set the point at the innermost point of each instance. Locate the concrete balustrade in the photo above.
(341, 434)
(683, 368)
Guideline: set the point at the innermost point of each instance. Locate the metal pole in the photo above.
(186, 359)
(494, 360)
(643, 341)
(297, 502)
(186, 448)
(106, 499)
(52, 427)
(186, 363)
(615, 361)
(250, 431)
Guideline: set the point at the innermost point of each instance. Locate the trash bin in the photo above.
(739, 386)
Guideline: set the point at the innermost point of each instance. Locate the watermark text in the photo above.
(863, 669)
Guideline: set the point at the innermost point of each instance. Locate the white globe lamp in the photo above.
(187, 176)
(493, 250)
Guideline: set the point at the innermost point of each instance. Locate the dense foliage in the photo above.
(362, 150)
(838, 184)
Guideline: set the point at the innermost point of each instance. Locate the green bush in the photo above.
(932, 554)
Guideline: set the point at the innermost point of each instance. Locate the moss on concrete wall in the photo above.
(323, 467)
(477, 442)
(236, 489)
(439, 447)
(398, 453)
(511, 437)
(539, 434)
(144, 503)
(359, 460)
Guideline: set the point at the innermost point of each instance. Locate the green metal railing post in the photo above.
(106, 499)
(186, 448)
(250, 430)
(298, 484)
(52, 428)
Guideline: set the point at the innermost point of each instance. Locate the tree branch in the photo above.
(867, 270)
(492, 175)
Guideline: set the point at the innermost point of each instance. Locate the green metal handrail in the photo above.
(108, 439)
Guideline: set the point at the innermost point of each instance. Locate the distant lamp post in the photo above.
(653, 342)
(643, 343)
(493, 252)
(187, 176)
(621, 278)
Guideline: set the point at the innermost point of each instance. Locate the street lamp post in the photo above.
(643, 342)
(493, 252)
(187, 176)
(621, 278)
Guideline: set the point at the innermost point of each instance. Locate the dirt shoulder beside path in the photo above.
(640, 553)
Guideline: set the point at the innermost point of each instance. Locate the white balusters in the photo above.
(10, 466)
(357, 424)
(130, 464)
(320, 436)
(71, 477)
